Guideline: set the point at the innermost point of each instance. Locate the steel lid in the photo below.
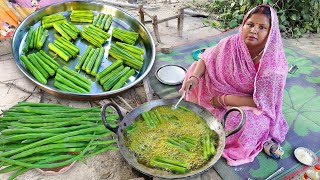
(306, 156)
(171, 74)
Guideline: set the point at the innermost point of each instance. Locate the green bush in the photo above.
(296, 17)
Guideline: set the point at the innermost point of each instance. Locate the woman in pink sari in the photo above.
(247, 70)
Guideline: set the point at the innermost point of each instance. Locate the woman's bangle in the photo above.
(219, 100)
(223, 100)
(194, 77)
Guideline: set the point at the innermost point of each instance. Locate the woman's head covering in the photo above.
(274, 41)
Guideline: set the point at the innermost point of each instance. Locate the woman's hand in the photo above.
(216, 102)
(192, 82)
(232, 100)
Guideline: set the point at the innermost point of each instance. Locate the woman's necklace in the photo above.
(258, 55)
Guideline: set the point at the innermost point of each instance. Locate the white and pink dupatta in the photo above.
(230, 70)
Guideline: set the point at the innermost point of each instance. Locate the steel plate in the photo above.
(121, 19)
(171, 74)
(306, 156)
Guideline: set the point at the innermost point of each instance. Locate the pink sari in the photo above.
(230, 70)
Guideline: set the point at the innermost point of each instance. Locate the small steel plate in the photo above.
(171, 74)
(306, 156)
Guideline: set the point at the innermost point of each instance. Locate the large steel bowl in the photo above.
(121, 20)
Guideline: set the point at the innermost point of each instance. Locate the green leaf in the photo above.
(285, 22)
(233, 23)
(282, 27)
(241, 2)
(205, 22)
(303, 30)
(316, 23)
(223, 25)
(243, 8)
(240, 18)
(236, 13)
(301, 109)
(270, 3)
(214, 24)
(294, 17)
(297, 32)
(282, 18)
(306, 17)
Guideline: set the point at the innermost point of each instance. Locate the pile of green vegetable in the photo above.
(64, 48)
(102, 21)
(68, 80)
(67, 30)
(152, 118)
(130, 55)
(81, 16)
(128, 37)
(40, 65)
(40, 135)
(174, 140)
(35, 38)
(110, 71)
(94, 35)
(48, 21)
(43, 64)
(90, 60)
(114, 76)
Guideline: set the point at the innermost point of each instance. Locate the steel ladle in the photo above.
(182, 97)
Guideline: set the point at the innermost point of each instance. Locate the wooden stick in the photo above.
(122, 109)
(136, 97)
(168, 19)
(125, 102)
(148, 89)
(180, 22)
(141, 13)
(155, 28)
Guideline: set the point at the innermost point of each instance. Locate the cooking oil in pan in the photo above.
(180, 125)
